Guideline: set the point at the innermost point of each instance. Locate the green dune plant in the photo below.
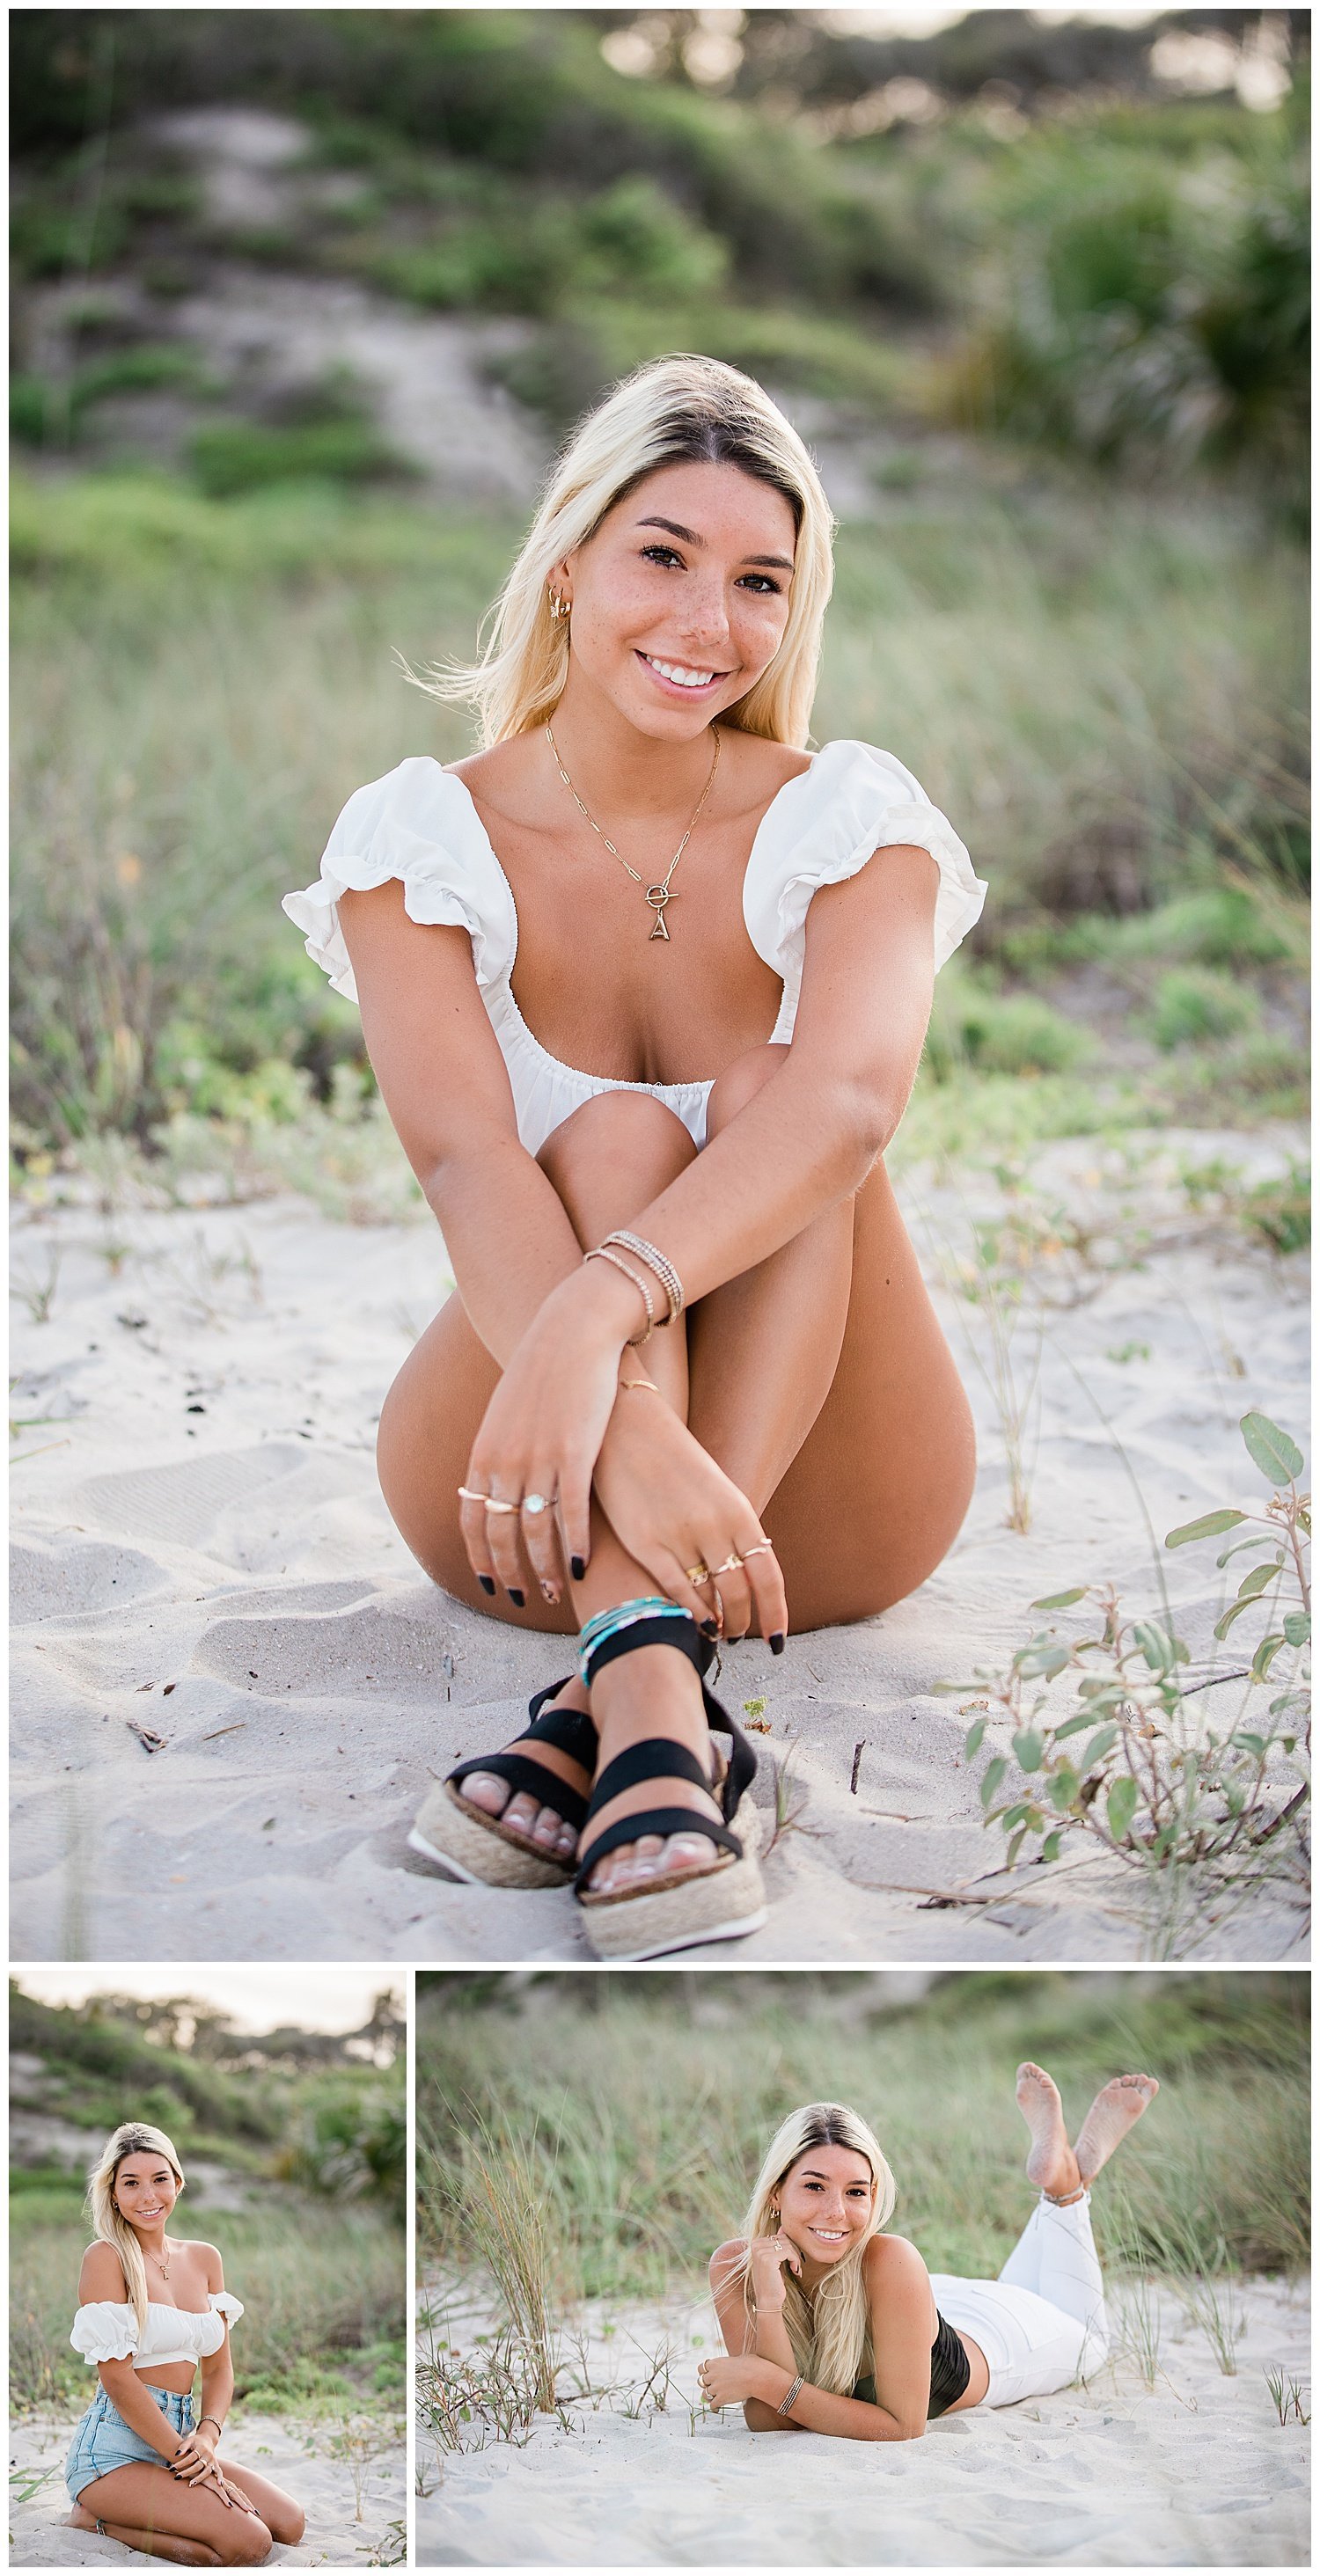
(1128, 1760)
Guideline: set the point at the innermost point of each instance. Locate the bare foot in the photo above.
(1110, 2117)
(1051, 2164)
(542, 1827)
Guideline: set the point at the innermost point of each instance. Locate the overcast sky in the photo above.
(256, 1998)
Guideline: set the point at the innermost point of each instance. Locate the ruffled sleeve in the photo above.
(418, 824)
(227, 2306)
(824, 826)
(107, 2330)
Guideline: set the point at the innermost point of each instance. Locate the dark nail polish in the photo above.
(517, 1598)
(710, 1627)
(777, 1642)
(579, 1567)
(486, 1583)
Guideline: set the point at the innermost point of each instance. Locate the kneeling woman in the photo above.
(832, 2327)
(151, 2308)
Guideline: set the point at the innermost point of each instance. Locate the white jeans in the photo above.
(1042, 2323)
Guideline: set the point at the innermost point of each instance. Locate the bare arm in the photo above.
(443, 1080)
(902, 2328)
(102, 2277)
(811, 1134)
(514, 1251)
(217, 2367)
(762, 2333)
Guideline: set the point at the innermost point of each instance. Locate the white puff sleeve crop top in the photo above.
(419, 824)
(107, 2330)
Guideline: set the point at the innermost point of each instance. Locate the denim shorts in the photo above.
(104, 2441)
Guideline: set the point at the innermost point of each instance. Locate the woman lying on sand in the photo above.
(151, 2307)
(657, 1155)
(832, 2327)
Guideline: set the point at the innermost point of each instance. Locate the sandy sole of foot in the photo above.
(293, 2454)
(233, 1686)
(1195, 2471)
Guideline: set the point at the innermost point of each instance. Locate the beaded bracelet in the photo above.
(657, 1261)
(602, 1253)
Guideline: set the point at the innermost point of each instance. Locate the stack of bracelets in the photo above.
(656, 1261)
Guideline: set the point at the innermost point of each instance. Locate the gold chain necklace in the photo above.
(162, 2268)
(657, 895)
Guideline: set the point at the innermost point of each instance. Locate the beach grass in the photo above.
(1097, 688)
(323, 2294)
(648, 2102)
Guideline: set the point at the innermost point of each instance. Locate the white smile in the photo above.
(830, 2235)
(681, 675)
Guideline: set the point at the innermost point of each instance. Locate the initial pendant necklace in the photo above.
(659, 894)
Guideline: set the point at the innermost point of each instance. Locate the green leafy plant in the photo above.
(1132, 1763)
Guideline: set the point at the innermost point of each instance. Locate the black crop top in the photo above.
(950, 2371)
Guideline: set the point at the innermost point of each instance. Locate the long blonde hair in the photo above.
(109, 2225)
(672, 411)
(830, 2336)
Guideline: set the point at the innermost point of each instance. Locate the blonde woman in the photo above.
(645, 984)
(152, 2307)
(832, 2326)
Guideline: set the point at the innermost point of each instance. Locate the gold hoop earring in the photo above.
(558, 607)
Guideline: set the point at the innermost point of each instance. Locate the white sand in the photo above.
(203, 1554)
(1194, 2472)
(294, 2454)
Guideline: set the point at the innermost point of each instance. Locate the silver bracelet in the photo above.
(602, 1253)
(657, 1261)
(793, 2395)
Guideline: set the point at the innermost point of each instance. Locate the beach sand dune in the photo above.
(232, 1685)
(1194, 2472)
(294, 2454)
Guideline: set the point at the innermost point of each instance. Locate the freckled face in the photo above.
(681, 598)
(145, 2190)
(825, 2202)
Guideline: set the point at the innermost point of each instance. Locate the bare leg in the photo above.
(284, 2520)
(1109, 2119)
(180, 2553)
(821, 1382)
(1051, 2164)
(607, 1162)
(145, 2508)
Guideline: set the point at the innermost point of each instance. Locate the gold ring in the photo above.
(698, 1574)
(728, 1566)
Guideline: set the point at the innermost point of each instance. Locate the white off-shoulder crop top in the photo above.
(107, 2330)
(419, 824)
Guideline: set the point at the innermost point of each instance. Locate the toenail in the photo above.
(518, 1598)
(777, 1642)
(486, 1583)
(577, 1567)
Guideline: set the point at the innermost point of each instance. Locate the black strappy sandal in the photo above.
(684, 1908)
(471, 1844)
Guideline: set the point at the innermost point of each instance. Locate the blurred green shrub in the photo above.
(44, 414)
(999, 1032)
(1154, 317)
(350, 2143)
(1194, 1003)
(234, 457)
(633, 236)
